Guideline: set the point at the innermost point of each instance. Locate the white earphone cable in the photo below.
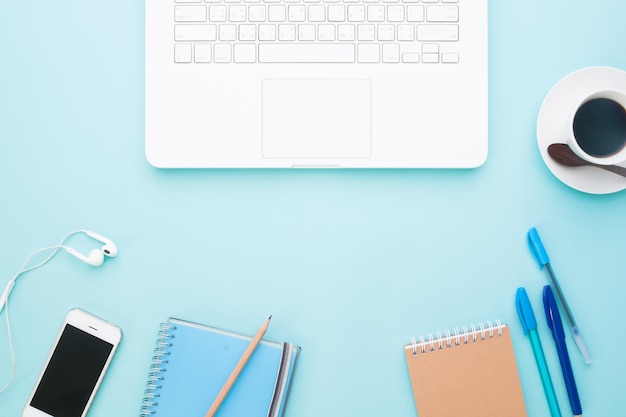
(10, 381)
(21, 271)
(55, 249)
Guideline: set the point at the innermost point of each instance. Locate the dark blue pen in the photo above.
(556, 326)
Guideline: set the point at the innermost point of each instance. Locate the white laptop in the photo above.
(316, 83)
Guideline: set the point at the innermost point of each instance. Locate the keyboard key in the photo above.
(237, 13)
(188, 1)
(228, 32)
(182, 53)
(443, 33)
(267, 32)
(430, 58)
(277, 13)
(256, 13)
(366, 32)
(391, 52)
(297, 13)
(411, 57)
(406, 32)
(217, 13)
(244, 52)
(415, 13)
(356, 13)
(326, 32)
(442, 13)
(430, 48)
(450, 58)
(386, 33)
(190, 13)
(195, 32)
(247, 32)
(345, 32)
(376, 13)
(286, 32)
(336, 13)
(202, 52)
(317, 13)
(306, 52)
(395, 13)
(306, 32)
(222, 52)
(368, 52)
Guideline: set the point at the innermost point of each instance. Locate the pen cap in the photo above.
(525, 310)
(537, 248)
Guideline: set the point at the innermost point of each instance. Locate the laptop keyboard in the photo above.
(316, 31)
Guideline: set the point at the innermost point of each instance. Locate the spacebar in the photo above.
(306, 52)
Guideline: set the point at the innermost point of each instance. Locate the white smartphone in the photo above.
(75, 367)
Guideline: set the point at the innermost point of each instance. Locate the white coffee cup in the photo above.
(597, 128)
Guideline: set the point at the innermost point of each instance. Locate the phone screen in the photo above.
(72, 373)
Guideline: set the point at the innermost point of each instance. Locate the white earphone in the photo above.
(108, 249)
(95, 258)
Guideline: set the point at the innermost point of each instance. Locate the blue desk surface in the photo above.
(350, 263)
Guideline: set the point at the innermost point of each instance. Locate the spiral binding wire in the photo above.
(457, 338)
(157, 368)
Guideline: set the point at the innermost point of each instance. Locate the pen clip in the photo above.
(536, 247)
(552, 314)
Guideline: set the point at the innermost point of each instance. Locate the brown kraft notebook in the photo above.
(469, 372)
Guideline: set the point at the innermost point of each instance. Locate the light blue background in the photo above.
(350, 263)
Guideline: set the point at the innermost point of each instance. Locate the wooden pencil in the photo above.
(238, 368)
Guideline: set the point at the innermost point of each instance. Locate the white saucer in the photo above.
(552, 126)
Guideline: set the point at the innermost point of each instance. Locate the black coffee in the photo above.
(600, 127)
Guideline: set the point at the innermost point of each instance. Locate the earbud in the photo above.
(109, 248)
(95, 257)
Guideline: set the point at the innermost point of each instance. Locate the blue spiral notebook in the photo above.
(193, 361)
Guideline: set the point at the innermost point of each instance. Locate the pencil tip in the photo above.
(270, 317)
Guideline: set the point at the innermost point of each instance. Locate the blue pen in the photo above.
(555, 324)
(527, 317)
(542, 258)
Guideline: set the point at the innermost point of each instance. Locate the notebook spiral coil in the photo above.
(448, 339)
(157, 368)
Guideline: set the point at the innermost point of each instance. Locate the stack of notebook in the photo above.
(193, 361)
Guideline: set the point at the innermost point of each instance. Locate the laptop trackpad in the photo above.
(317, 118)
